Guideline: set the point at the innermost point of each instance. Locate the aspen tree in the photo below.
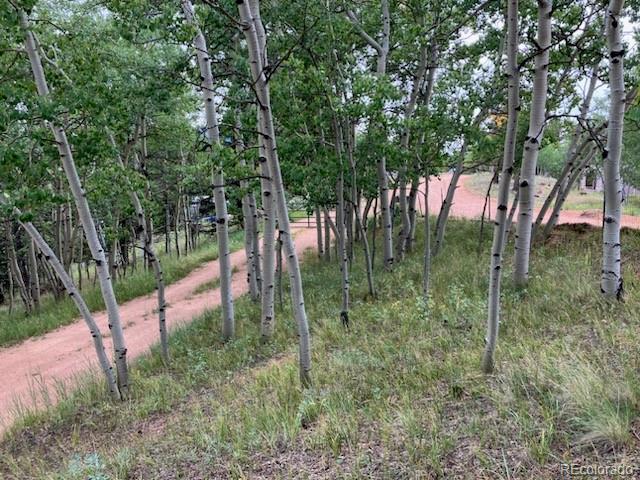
(212, 138)
(152, 257)
(84, 211)
(497, 249)
(73, 292)
(611, 282)
(532, 145)
(382, 52)
(264, 104)
(267, 323)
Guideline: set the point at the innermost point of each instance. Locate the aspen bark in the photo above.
(341, 237)
(327, 236)
(269, 246)
(252, 281)
(154, 261)
(319, 231)
(564, 192)
(279, 270)
(572, 151)
(69, 285)
(73, 292)
(342, 250)
(382, 51)
(267, 323)
(11, 294)
(445, 208)
(413, 199)
(213, 141)
(512, 211)
(14, 269)
(447, 203)
(263, 96)
(532, 146)
(349, 225)
(248, 223)
(167, 223)
(360, 221)
(176, 225)
(84, 212)
(34, 277)
(611, 281)
(426, 265)
(409, 110)
(497, 249)
(255, 237)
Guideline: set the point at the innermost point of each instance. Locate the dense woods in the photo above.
(134, 134)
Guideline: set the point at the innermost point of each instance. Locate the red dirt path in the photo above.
(31, 370)
(39, 364)
(469, 204)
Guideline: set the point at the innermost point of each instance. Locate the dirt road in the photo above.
(38, 365)
(469, 204)
(34, 369)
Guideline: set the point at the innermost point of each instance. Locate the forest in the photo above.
(392, 239)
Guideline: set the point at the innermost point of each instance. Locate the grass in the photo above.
(212, 284)
(577, 200)
(54, 313)
(399, 395)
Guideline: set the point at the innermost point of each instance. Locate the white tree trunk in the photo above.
(342, 250)
(14, 269)
(532, 146)
(327, 236)
(73, 292)
(255, 237)
(383, 181)
(149, 249)
(447, 203)
(263, 96)
(426, 261)
(84, 212)
(267, 323)
(34, 277)
(572, 151)
(385, 212)
(611, 282)
(269, 247)
(382, 50)
(252, 281)
(497, 249)
(250, 229)
(564, 193)
(409, 110)
(413, 200)
(213, 140)
(51, 258)
(319, 231)
(360, 221)
(341, 237)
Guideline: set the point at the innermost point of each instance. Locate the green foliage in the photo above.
(402, 382)
(552, 158)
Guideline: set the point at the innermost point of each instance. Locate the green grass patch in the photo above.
(212, 284)
(54, 313)
(398, 395)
